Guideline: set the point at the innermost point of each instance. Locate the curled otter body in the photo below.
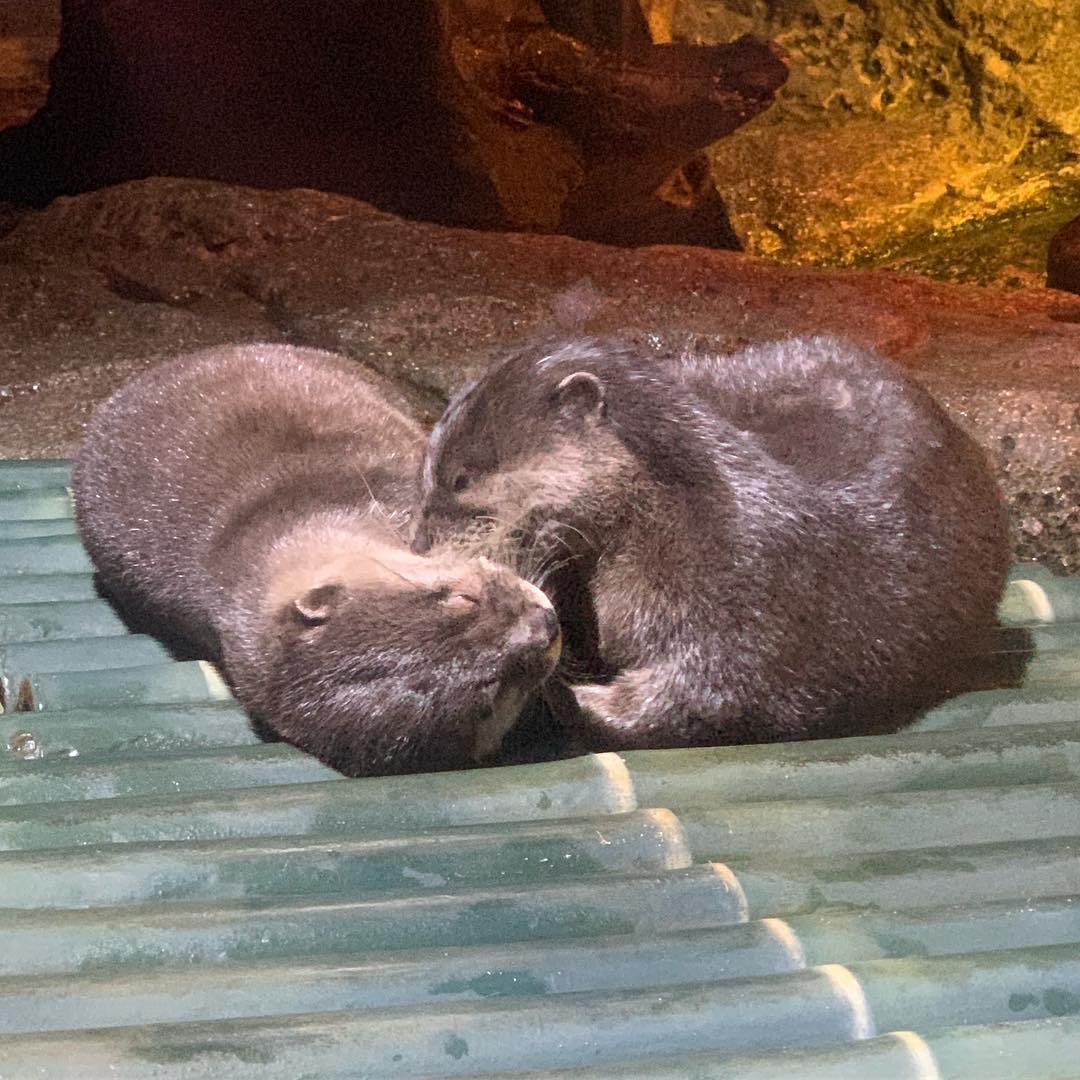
(246, 500)
(792, 541)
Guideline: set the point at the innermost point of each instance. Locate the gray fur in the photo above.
(247, 501)
(793, 541)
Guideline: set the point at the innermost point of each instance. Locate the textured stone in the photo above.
(938, 136)
(28, 35)
(903, 128)
(471, 112)
(97, 287)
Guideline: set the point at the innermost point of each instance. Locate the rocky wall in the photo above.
(29, 30)
(95, 288)
(935, 135)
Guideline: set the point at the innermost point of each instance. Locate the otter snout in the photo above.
(534, 647)
(548, 624)
(538, 630)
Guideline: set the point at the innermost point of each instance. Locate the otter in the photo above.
(248, 502)
(793, 541)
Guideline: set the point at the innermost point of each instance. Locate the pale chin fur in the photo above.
(504, 712)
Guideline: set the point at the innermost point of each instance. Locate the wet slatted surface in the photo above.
(179, 900)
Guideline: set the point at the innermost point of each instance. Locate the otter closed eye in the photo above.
(459, 601)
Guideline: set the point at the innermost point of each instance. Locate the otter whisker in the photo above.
(395, 573)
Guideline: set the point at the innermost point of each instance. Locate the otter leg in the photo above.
(639, 709)
(668, 705)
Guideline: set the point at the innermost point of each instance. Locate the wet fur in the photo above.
(792, 541)
(249, 502)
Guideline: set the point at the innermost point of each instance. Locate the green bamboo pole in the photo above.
(20, 658)
(32, 474)
(1036, 1050)
(985, 988)
(1035, 595)
(46, 588)
(41, 504)
(27, 532)
(1051, 637)
(916, 991)
(34, 671)
(464, 1039)
(645, 841)
(855, 767)
(999, 708)
(1032, 1050)
(676, 778)
(890, 821)
(125, 734)
(58, 619)
(217, 770)
(264, 988)
(581, 787)
(108, 939)
(1059, 669)
(186, 683)
(181, 933)
(679, 779)
(43, 555)
(828, 936)
(903, 880)
(1029, 1050)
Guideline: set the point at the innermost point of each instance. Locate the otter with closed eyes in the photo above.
(792, 541)
(247, 501)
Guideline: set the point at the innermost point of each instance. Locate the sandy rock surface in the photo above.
(97, 287)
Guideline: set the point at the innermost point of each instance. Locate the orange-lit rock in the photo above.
(29, 31)
(937, 135)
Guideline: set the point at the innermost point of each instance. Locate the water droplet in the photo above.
(25, 744)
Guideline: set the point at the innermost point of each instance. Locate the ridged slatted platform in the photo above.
(180, 900)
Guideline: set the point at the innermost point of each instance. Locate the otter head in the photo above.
(379, 661)
(529, 449)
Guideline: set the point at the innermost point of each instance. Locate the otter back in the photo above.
(224, 442)
(249, 501)
(791, 541)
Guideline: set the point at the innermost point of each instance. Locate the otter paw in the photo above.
(597, 722)
(637, 711)
(595, 700)
(614, 716)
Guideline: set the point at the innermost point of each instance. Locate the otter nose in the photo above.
(549, 624)
(545, 633)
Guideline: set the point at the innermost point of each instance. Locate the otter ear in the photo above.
(581, 395)
(316, 606)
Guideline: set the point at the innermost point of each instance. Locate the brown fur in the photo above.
(790, 542)
(247, 501)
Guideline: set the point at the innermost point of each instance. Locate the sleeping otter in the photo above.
(246, 500)
(793, 541)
